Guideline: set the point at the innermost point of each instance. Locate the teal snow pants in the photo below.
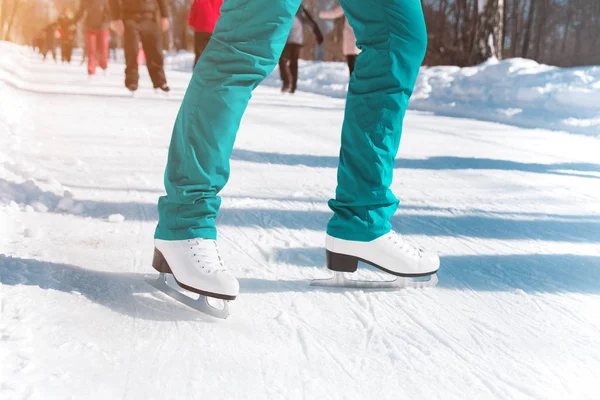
(244, 49)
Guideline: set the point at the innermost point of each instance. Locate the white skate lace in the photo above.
(205, 254)
(404, 246)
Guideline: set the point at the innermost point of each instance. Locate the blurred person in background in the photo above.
(137, 19)
(49, 37)
(38, 42)
(67, 34)
(84, 54)
(113, 44)
(349, 40)
(96, 23)
(203, 18)
(288, 62)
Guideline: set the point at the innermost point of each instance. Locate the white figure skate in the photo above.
(390, 253)
(194, 267)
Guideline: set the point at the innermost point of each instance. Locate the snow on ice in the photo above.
(513, 211)
(116, 218)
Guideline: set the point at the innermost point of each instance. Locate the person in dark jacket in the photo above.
(137, 18)
(203, 18)
(97, 20)
(113, 44)
(288, 62)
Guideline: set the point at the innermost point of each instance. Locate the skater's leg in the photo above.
(294, 55)
(90, 38)
(102, 42)
(84, 55)
(284, 69)
(131, 41)
(68, 50)
(201, 39)
(150, 35)
(243, 50)
(393, 39)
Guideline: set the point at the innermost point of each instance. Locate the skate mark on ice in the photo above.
(308, 337)
(340, 363)
(368, 325)
(462, 354)
(395, 350)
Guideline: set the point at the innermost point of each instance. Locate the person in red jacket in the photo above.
(203, 18)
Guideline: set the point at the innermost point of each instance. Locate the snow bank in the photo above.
(116, 218)
(30, 195)
(515, 91)
(19, 190)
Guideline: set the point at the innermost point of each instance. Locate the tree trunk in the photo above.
(540, 31)
(489, 24)
(514, 38)
(458, 19)
(504, 24)
(472, 24)
(442, 31)
(578, 40)
(567, 26)
(528, 28)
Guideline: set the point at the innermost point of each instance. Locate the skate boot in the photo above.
(166, 89)
(132, 87)
(390, 253)
(195, 266)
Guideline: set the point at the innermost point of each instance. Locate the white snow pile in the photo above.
(29, 196)
(19, 190)
(515, 91)
(116, 218)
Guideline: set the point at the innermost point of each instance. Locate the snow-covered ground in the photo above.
(514, 213)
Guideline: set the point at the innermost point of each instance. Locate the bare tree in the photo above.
(542, 19)
(527, 37)
(567, 26)
(490, 20)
